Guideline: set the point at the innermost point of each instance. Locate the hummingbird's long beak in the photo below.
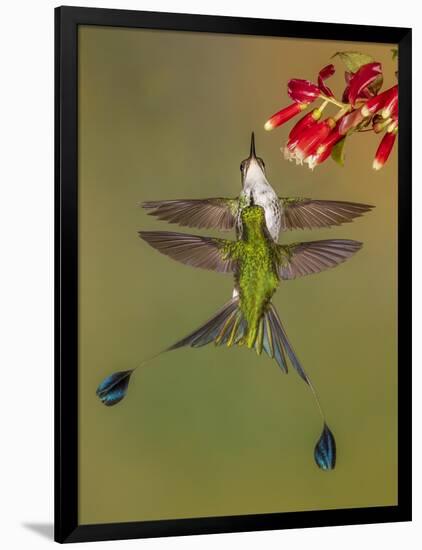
(252, 154)
(252, 168)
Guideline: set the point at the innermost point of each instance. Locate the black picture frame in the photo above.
(67, 528)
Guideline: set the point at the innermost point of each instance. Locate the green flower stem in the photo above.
(334, 102)
(342, 112)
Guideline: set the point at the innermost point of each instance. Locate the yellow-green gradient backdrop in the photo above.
(214, 432)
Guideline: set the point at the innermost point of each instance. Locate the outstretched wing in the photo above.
(194, 250)
(301, 213)
(299, 259)
(218, 213)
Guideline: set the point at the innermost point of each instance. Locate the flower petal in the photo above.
(325, 73)
(328, 143)
(325, 149)
(304, 123)
(308, 142)
(350, 121)
(302, 91)
(345, 96)
(363, 78)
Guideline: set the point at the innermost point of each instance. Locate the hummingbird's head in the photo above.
(253, 166)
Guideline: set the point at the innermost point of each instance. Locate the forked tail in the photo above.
(229, 327)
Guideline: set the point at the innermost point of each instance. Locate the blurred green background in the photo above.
(212, 432)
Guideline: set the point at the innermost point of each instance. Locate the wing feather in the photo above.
(300, 259)
(214, 213)
(301, 213)
(194, 250)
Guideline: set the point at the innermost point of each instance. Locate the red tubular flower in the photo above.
(302, 91)
(308, 142)
(328, 143)
(318, 158)
(325, 73)
(384, 149)
(324, 148)
(392, 104)
(379, 101)
(304, 123)
(284, 115)
(350, 121)
(361, 79)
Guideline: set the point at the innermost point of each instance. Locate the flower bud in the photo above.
(284, 115)
(384, 149)
(391, 106)
(379, 101)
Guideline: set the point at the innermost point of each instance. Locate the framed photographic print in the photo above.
(232, 274)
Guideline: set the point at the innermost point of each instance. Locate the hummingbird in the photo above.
(281, 213)
(249, 318)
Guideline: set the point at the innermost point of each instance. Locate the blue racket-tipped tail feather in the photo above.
(325, 450)
(114, 388)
